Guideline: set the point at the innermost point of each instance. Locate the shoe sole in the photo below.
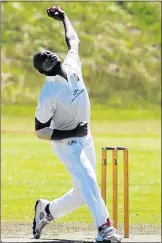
(112, 240)
(35, 232)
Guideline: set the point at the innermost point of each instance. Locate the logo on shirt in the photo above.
(76, 77)
(72, 142)
(76, 91)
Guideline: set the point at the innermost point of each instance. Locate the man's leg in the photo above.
(73, 198)
(80, 162)
(66, 204)
(75, 160)
(74, 157)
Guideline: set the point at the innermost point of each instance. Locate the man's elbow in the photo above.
(44, 133)
(78, 41)
(73, 43)
(38, 134)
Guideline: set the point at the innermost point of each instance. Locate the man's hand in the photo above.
(82, 129)
(71, 36)
(56, 13)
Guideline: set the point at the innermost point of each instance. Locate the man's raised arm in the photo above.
(71, 36)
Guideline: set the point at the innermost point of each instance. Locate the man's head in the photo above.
(47, 63)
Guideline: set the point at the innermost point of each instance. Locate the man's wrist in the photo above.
(64, 16)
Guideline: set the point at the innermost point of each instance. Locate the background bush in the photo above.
(120, 50)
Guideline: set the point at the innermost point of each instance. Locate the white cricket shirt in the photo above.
(66, 102)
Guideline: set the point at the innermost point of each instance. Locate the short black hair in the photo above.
(38, 60)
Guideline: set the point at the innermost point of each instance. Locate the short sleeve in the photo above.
(72, 61)
(44, 111)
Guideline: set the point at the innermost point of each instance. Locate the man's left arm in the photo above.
(43, 131)
(43, 116)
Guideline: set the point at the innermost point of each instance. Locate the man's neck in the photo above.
(63, 74)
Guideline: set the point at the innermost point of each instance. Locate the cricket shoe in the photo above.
(107, 233)
(41, 218)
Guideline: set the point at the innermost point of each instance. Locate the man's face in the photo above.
(47, 62)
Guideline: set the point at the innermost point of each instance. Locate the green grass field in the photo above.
(30, 170)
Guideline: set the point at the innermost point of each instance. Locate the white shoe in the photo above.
(41, 218)
(108, 233)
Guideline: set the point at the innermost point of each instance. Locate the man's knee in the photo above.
(78, 196)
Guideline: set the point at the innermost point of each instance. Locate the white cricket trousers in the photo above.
(78, 156)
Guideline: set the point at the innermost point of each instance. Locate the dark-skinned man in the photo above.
(63, 117)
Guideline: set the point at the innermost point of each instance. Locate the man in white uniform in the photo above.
(63, 117)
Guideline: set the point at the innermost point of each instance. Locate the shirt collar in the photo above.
(55, 78)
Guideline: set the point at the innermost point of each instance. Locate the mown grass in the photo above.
(30, 170)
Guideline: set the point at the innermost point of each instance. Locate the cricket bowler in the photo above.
(63, 117)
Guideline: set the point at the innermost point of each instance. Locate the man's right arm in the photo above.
(71, 36)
